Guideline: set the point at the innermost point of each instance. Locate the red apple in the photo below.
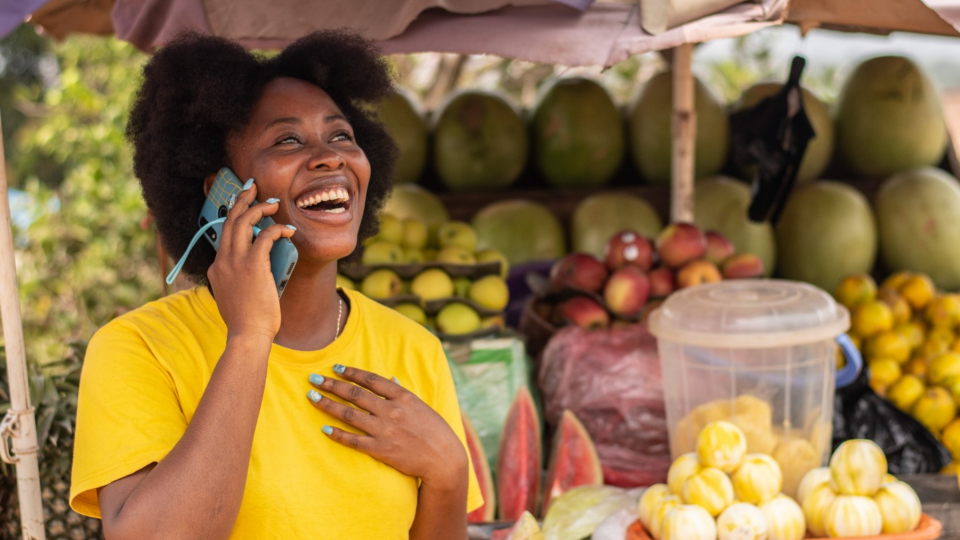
(697, 273)
(627, 291)
(662, 282)
(681, 243)
(578, 270)
(628, 247)
(719, 248)
(743, 265)
(583, 312)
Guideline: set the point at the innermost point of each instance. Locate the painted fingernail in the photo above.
(396, 380)
(316, 379)
(314, 396)
(248, 185)
(291, 227)
(232, 201)
(272, 200)
(328, 430)
(256, 231)
(339, 369)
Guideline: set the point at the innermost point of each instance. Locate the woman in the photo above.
(225, 412)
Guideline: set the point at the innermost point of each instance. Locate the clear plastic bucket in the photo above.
(759, 353)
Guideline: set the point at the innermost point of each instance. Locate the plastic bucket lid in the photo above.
(749, 314)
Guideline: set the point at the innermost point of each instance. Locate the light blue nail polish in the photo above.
(316, 379)
(328, 430)
(256, 231)
(314, 396)
(291, 227)
(396, 381)
(272, 200)
(248, 185)
(339, 369)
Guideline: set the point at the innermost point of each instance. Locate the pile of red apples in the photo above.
(637, 273)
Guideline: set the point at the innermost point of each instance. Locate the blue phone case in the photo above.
(283, 255)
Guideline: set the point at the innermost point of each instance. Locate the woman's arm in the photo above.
(441, 509)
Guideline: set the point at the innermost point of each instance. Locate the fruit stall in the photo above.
(625, 369)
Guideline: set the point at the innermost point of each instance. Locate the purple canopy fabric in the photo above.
(14, 12)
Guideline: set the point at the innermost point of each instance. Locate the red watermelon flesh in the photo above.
(573, 460)
(519, 462)
(481, 467)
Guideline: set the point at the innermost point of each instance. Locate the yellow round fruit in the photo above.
(905, 392)
(458, 319)
(742, 521)
(855, 289)
(917, 367)
(758, 479)
(942, 367)
(900, 308)
(871, 318)
(857, 467)
(952, 385)
(709, 489)
(943, 311)
(935, 409)
(490, 292)
(815, 508)
(381, 284)
(853, 515)
(883, 373)
(895, 281)
(649, 500)
(660, 511)
(899, 506)
(432, 284)
(722, 445)
(682, 468)
(918, 291)
(688, 522)
(939, 340)
(951, 438)
(914, 331)
(890, 345)
(412, 311)
(812, 480)
(796, 457)
(784, 517)
(887, 478)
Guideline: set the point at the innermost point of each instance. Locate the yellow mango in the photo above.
(883, 373)
(895, 280)
(682, 468)
(855, 289)
(784, 517)
(812, 480)
(871, 318)
(857, 467)
(889, 344)
(660, 511)
(649, 500)
(935, 409)
(943, 311)
(914, 331)
(796, 456)
(918, 290)
(942, 367)
(710, 489)
(951, 438)
(722, 445)
(688, 522)
(853, 515)
(905, 393)
(815, 507)
(742, 521)
(899, 507)
(758, 479)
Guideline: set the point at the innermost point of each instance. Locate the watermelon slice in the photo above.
(573, 460)
(481, 467)
(519, 462)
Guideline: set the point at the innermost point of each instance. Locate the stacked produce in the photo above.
(856, 497)
(907, 332)
(721, 492)
(590, 293)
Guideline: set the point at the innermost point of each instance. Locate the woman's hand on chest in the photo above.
(398, 428)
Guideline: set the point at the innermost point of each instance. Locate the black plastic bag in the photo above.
(859, 413)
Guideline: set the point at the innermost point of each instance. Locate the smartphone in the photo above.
(283, 255)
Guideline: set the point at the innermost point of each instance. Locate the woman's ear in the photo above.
(208, 183)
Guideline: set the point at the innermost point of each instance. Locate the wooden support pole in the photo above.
(19, 424)
(684, 133)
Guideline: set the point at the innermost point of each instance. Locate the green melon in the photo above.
(522, 230)
(827, 231)
(650, 120)
(412, 201)
(819, 149)
(479, 141)
(601, 216)
(889, 118)
(720, 204)
(918, 212)
(577, 134)
(402, 116)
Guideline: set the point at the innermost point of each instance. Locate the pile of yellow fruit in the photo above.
(410, 242)
(721, 492)
(909, 335)
(856, 497)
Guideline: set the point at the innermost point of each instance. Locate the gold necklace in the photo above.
(336, 333)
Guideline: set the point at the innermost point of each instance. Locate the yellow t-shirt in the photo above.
(145, 373)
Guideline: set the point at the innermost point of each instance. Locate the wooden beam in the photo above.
(684, 133)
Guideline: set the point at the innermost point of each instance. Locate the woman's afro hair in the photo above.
(198, 90)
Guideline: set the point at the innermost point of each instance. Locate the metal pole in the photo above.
(684, 135)
(19, 424)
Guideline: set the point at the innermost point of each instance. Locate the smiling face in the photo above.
(299, 148)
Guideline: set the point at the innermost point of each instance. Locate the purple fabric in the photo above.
(582, 5)
(14, 12)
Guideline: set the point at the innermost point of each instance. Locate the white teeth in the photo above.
(336, 210)
(337, 194)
